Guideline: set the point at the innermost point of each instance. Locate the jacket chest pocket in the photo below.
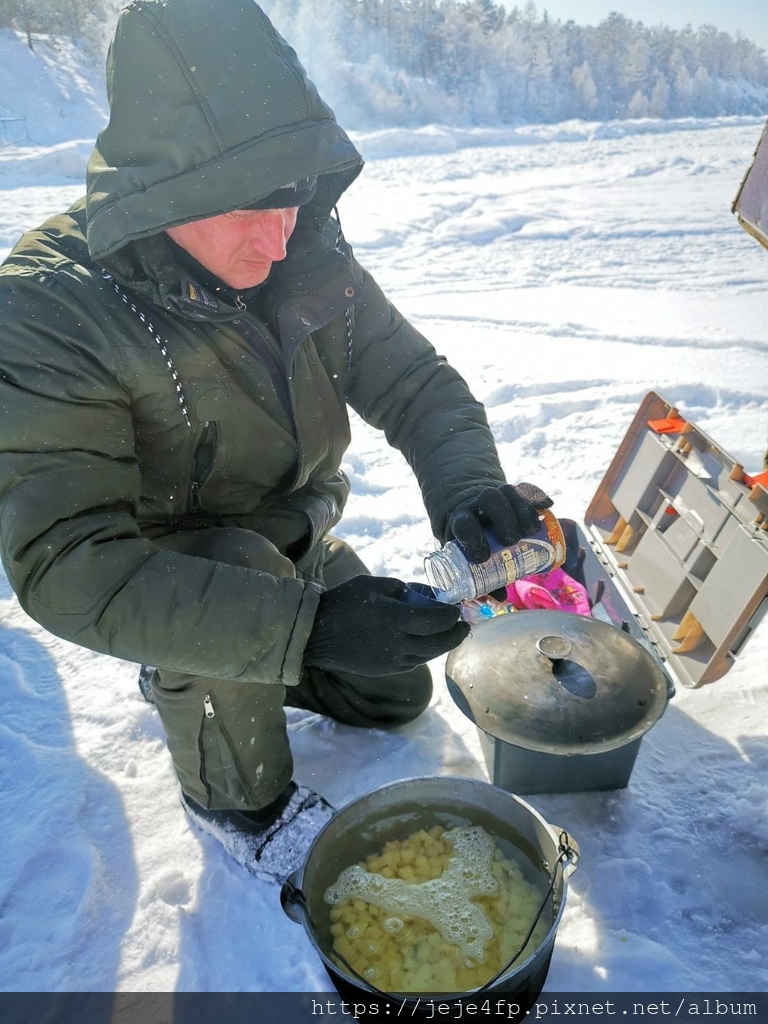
(203, 461)
(210, 406)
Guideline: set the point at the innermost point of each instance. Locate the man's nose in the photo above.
(272, 234)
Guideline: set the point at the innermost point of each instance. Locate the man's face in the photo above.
(238, 247)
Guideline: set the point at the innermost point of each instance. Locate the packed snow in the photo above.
(566, 270)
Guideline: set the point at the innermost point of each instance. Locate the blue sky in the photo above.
(750, 17)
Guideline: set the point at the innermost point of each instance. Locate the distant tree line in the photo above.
(407, 62)
(416, 61)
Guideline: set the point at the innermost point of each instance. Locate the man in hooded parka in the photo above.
(178, 353)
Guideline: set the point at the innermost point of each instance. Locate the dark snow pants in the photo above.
(228, 739)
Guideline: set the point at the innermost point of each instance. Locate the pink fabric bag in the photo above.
(553, 590)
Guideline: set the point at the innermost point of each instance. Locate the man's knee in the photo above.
(341, 562)
(365, 702)
(418, 694)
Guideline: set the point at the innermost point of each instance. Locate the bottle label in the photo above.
(527, 557)
(455, 579)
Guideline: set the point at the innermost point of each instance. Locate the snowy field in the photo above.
(566, 271)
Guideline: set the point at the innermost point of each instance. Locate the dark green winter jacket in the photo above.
(138, 398)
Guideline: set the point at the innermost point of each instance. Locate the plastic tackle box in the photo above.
(675, 545)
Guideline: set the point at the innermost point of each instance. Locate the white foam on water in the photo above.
(445, 901)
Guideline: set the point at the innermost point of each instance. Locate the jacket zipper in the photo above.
(277, 372)
(202, 463)
(208, 706)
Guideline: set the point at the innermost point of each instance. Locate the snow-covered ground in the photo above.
(566, 271)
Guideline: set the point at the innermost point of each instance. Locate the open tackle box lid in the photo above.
(751, 202)
(682, 531)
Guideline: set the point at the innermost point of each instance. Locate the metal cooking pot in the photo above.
(561, 701)
(547, 857)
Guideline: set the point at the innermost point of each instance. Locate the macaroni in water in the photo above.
(440, 911)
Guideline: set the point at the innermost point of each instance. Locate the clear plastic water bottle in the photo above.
(456, 579)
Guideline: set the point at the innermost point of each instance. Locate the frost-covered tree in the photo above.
(638, 105)
(682, 84)
(658, 102)
(704, 100)
(586, 90)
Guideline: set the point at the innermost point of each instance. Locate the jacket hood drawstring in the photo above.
(160, 344)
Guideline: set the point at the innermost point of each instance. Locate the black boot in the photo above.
(272, 841)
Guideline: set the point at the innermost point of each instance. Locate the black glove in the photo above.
(509, 512)
(367, 626)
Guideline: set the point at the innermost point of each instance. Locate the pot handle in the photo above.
(567, 856)
(292, 899)
(567, 848)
